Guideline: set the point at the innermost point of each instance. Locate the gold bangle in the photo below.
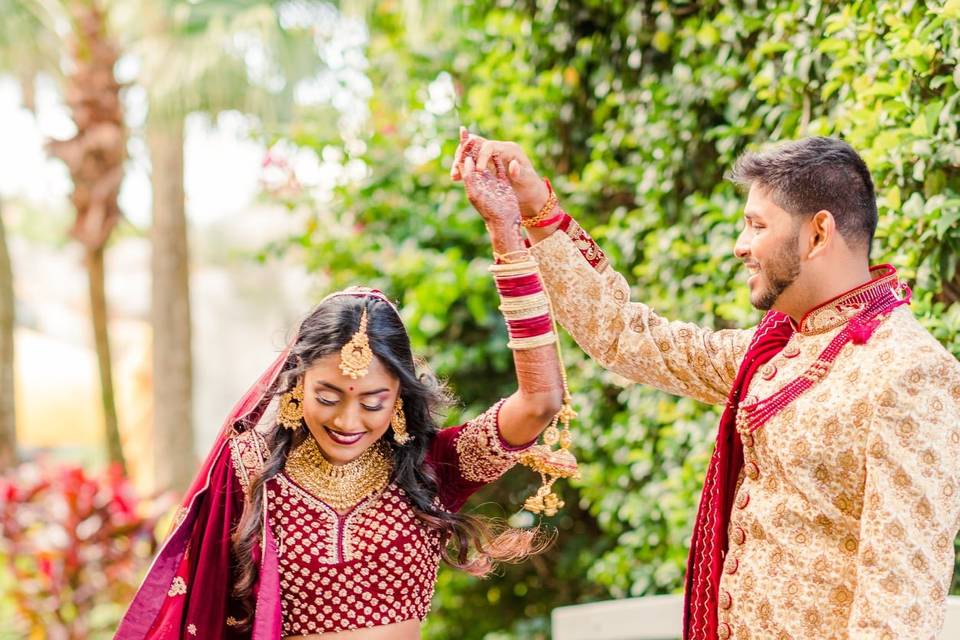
(545, 210)
(523, 302)
(524, 314)
(511, 267)
(505, 258)
(521, 344)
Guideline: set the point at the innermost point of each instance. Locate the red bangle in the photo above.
(530, 327)
(551, 221)
(517, 281)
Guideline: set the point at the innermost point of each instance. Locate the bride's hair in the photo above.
(474, 544)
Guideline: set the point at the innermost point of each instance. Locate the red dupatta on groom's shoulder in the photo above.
(708, 544)
(186, 591)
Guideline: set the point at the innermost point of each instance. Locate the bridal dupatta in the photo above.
(186, 591)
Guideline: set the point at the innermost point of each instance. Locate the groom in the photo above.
(831, 502)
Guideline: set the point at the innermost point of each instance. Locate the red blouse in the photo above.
(376, 564)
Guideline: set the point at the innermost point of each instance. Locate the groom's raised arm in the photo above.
(592, 301)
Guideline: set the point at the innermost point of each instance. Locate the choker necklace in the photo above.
(340, 486)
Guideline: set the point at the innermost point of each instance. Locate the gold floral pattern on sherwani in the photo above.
(847, 506)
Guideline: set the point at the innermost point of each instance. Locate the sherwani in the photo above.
(847, 506)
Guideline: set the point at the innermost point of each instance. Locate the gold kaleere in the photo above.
(340, 486)
(553, 464)
(356, 356)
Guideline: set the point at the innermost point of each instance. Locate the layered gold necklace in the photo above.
(340, 486)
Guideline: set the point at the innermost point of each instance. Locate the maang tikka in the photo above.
(356, 356)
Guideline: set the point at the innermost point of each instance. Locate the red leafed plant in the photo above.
(74, 546)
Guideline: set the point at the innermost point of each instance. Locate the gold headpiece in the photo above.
(356, 356)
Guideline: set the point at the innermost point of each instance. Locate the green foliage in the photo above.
(635, 110)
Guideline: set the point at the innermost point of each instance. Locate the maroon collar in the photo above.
(839, 310)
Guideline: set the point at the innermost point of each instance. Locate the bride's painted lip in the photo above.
(343, 438)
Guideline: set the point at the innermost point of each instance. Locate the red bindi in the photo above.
(351, 388)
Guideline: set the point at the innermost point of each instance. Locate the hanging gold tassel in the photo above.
(553, 464)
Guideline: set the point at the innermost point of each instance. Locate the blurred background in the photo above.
(181, 181)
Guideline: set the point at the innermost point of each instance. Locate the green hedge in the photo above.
(635, 110)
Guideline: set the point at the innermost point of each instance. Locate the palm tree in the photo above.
(191, 63)
(94, 157)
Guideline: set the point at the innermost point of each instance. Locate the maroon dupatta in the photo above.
(186, 590)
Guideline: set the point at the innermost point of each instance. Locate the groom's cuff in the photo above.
(570, 233)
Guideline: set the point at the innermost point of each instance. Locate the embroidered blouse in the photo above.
(376, 564)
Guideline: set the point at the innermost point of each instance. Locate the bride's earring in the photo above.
(399, 424)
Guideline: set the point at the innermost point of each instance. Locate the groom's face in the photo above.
(769, 248)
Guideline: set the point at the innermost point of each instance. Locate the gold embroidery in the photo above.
(178, 587)
(179, 517)
(837, 467)
(367, 577)
(894, 430)
(480, 450)
(247, 453)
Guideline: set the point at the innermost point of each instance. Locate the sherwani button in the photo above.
(743, 500)
(723, 631)
(752, 470)
(747, 440)
(791, 351)
(768, 371)
(725, 600)
(732, 566)
(739, 535)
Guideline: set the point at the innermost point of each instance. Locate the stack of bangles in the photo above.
(523, 301)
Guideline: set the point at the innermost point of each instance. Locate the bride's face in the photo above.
(346, 416)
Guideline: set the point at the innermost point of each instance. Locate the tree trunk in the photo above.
(98, 311)
(8, 423)
(172, 358)
(94, 157)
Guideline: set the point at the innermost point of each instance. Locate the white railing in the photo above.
(658, 618)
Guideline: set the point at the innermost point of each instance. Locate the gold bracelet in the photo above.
(523, 302)
(545, 210)
(526, 314)
(514, 268)
(505, 258)
(532, 343)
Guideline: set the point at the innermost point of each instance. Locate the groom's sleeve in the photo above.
(592, 302)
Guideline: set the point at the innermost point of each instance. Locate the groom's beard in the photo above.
(777, 273)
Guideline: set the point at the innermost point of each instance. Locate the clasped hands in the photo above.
(499, 179)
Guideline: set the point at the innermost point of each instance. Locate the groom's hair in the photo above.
(813, 174)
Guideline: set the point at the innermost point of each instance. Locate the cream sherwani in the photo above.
(846, 511)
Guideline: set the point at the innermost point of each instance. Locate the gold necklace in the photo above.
(340, 486)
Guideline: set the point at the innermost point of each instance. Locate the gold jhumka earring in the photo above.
(356, 356)
(290, 411)
(399, 424)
